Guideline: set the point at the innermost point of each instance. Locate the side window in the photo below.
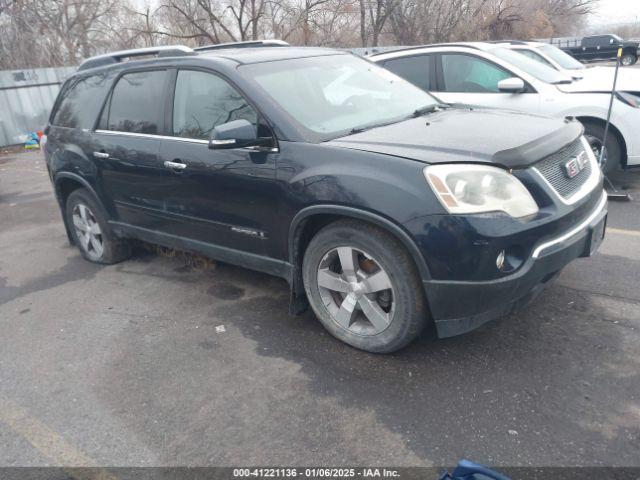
(593, 42)
(136, 103)
(535, 56)
(464, 73)
(81, 102)
(413, 69)
(203, 101)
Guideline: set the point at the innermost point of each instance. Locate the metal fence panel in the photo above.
(26, 98)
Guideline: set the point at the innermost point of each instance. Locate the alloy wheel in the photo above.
(356, 291)
(88, 231)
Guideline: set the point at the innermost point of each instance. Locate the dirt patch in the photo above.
(11, 150)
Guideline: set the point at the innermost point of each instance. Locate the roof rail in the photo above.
(430, 45)
(510, 42)
(247, 44)
(116, 57)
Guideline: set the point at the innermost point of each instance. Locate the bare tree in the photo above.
(375, 13)
(216, 21)
(56, 32)
(503, 16)
(5, 4)
(63, 32)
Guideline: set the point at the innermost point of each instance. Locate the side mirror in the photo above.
(511, 85)
(236, 134)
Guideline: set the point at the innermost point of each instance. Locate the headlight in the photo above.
(630, 98)
(469, 188)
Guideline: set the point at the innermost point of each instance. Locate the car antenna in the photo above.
(614, 193)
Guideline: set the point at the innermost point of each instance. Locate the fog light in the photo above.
(500, 260)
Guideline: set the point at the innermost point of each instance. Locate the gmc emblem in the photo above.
(574, 166)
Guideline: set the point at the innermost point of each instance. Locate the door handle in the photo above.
(175, 165)
(100, 155)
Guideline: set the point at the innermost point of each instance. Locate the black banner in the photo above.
(316, 473)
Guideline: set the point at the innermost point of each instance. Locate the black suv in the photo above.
(382, 207)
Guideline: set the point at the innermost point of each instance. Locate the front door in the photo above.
(469, 79)
(221, 197)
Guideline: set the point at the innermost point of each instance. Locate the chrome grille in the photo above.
(552, 169)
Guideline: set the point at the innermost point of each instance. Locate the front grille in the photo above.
(552, 169)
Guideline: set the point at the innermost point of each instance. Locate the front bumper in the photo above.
(461, 306)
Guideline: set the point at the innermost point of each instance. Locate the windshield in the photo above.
(561, 58)
(336, 94)
(532, 67)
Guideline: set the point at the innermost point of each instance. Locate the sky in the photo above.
(613, 11)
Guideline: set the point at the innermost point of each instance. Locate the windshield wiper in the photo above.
(417, 113)
(369, 126)
(429, 109)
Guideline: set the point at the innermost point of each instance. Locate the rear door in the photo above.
(610, 47)
(221, 197)
(126, 146)
(470, 79)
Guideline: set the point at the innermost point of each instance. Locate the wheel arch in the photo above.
(64, 184)
(599, 121)
(311, 219)
(67, 182)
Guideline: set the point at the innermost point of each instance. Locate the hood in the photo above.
(600, 79)
(514, 140)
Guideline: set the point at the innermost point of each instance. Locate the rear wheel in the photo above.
(91, 232)
(363, 286)
(628, 59)
(594, 133)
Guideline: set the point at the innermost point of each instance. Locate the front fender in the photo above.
(349, 212)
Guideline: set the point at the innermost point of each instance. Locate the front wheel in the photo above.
(364, 287)
(594, 133)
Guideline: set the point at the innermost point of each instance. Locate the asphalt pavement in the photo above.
(154, 362)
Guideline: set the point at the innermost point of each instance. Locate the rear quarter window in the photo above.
(81, 102)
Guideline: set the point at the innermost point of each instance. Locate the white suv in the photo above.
(493, 75)
(549, 55)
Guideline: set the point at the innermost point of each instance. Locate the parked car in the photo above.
(385, 210)
(493, 75)
(555, 58)
(600, 47)
(550, 56)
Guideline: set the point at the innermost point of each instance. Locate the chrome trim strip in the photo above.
(584, 224)
(587, 186)
(181, 139)
(147, 135)
(229, 141)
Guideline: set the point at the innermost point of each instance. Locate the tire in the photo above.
(628, 59)
(399, 312)
(90, 229)
(595, 133)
